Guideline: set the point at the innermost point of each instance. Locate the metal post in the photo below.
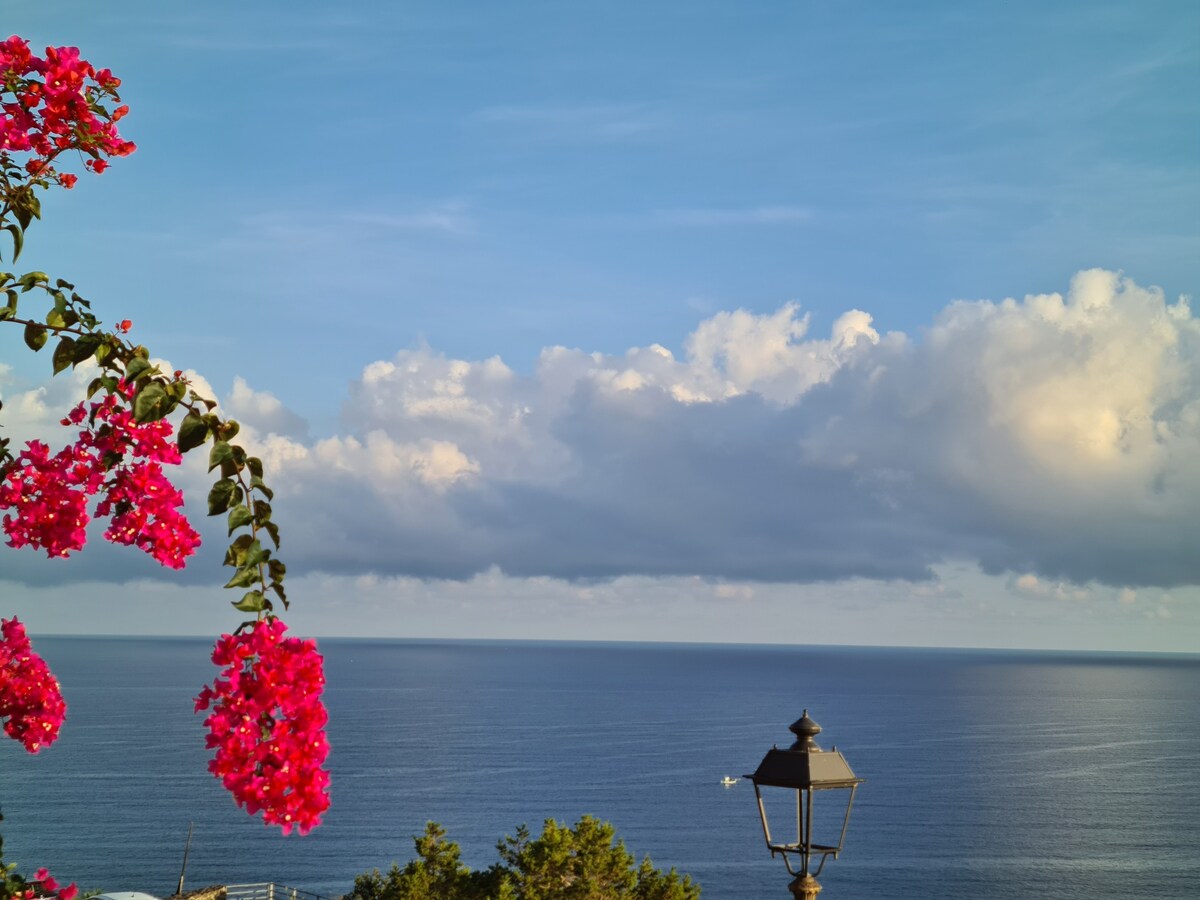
(808, 832)
(186, 848)
(804, 887)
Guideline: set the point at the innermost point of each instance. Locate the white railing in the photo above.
(268, 891)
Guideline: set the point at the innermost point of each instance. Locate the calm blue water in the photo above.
(989, 774)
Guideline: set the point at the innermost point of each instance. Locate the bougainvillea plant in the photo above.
(267, 721)
(267, 725)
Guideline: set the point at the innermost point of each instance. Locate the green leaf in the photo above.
(273, 530)
(277, 569)
(220, 453)
(55, 319)
(30, 280)
(18, 239)
(255, 554)
(246, 552)
(253, 602)
(85, 347)
(35, 336)
(192, 433)
(244, 577)
(256, 466)
(208, 404)
(25, 206)
(103, 381)
(256, 482)
(64, 354)
(136, 367)
(221, 497)
(151, 403)
(236, 554)
(239, 516)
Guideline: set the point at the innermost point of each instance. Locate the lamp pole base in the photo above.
(804, 887)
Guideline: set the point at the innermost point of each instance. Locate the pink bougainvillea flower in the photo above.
(267, 725)
(56, 103)
(31, 703)
(114, 457)
(43, 886)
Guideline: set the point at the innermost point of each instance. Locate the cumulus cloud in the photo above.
(1055, 439)
(263, 409)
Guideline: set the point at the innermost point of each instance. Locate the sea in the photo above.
(988, 774)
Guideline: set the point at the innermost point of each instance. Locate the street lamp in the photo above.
(804, 768)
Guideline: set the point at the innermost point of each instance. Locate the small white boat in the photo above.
(729, 782)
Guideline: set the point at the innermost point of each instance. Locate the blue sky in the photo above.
(640, 320)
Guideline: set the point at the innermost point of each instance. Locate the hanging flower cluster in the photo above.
(31, 703)
(42, 886)
(115, 456)
(56, 103)
(267, 725)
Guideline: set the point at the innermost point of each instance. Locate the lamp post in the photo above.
(803, 769)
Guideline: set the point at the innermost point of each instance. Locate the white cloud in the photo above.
(1029, 584)
(1054, 438)
(960, 608)
(263, 409)
(437, 464)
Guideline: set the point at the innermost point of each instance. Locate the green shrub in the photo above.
(586, 862)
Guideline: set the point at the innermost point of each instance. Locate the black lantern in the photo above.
(803, 769)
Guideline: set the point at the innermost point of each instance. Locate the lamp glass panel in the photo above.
(828, 814)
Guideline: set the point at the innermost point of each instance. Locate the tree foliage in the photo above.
(584, 862)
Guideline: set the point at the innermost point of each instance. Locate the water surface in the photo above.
(988, 773)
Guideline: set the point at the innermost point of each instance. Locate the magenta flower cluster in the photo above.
(115, 457)
(32, 709)
(267, 725)
(31, 703)
(61, 110)
(43, 886)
